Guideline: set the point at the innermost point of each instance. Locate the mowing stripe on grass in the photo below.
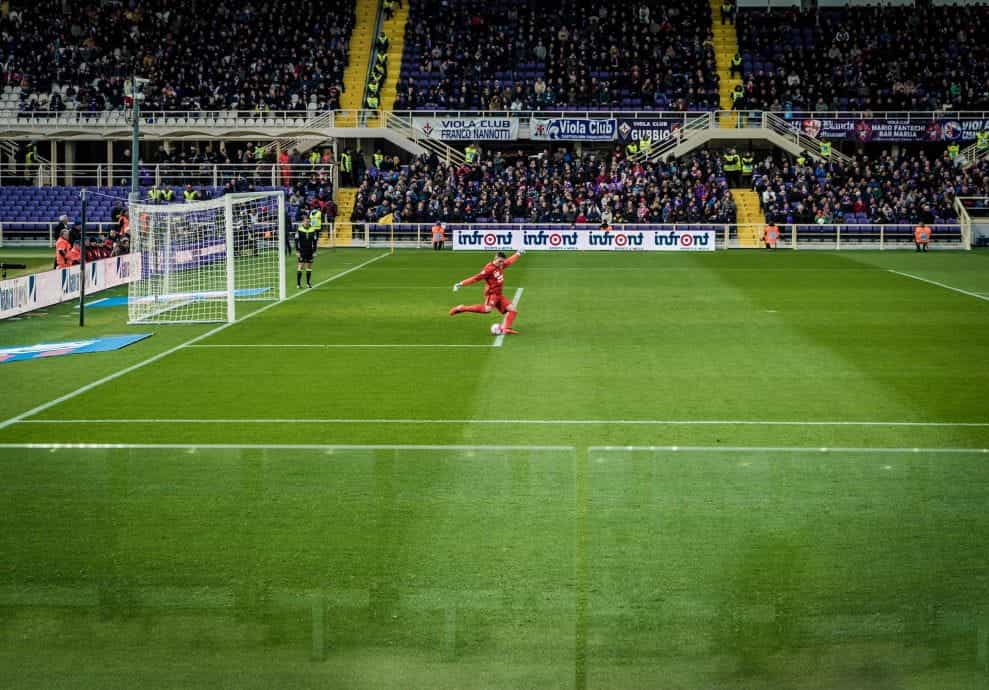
(515, 300)
(535, 422)
(269, 446)
(325, 346)
(976, 295)
(161, 355)
(777, 449)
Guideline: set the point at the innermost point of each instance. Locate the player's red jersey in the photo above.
(493, 277)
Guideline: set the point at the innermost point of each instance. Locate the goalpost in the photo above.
(195, 261)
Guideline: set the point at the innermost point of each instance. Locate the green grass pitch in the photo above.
(728, 470)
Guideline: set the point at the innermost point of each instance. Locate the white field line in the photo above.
(181, 346)
(271, 446)
(515, 300)
(529, 422)
(325, 346)
(976, 295)
(776, 449)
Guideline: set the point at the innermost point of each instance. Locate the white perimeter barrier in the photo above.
(38, 290)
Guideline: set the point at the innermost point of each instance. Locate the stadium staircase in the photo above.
(394, 29)
(345, 208)
(361, 44)
(751, 219)
(725, 47)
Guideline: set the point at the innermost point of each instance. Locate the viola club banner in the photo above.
(656, 129)
(573, 129)
(627, 240)
(468, 128)
(884, 130)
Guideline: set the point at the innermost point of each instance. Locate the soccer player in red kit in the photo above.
(494, 277)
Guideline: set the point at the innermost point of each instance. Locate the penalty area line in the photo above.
(330, 346)
(276, 446)
(181, 346)
(775, 449)
(976, 295)
(515, 300)
(517, 422)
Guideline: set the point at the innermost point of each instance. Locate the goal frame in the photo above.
(228, 206)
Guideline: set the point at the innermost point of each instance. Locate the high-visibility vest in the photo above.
(801, 160)
(736, 60)
(982, 139)
(189, 195)
(732, 162)
(437, 233)
(31, 157)
(316, 219)
(737, 94)
(772, 234)
(168, 194)
(747, 162)
(346, 163)
(154, 194)
(645, 145)
(632, 148)
(922, 233)
(826, 149)
(470, 154)
(377, 159)
(953, 150)
(258, 153)
(313, 158)
(372, 102)
(373, 87)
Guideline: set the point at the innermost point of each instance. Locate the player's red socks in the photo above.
(476, 308)
(509, 320)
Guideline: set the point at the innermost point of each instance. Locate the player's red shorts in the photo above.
(499, 302)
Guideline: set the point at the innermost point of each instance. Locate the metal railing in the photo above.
(198, 174)
(34, 233)
(811, 145)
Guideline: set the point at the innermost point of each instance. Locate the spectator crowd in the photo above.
(865, 58)
(532, 55)
(217, 55)
(551, 187)
(884, 188)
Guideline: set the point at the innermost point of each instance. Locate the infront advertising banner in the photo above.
(627, 239)
(572, 129)
(656, 129)
(468, 128)
(26, 293)
(888, 130)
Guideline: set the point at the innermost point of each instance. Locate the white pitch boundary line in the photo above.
(515, 300)
(270, 446)
(777, 449)
(532, 422)
(181, 346)
(976, 295)
(325, 346)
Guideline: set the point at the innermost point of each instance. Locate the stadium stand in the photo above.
(551, 188)
(221, 55)
(878, 58)
(887, 188)
(569, 55)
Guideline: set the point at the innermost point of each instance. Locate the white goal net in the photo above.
(195, 261)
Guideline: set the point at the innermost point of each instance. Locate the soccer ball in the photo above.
(496, 329)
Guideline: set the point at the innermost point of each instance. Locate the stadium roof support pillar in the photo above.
(109, 163)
